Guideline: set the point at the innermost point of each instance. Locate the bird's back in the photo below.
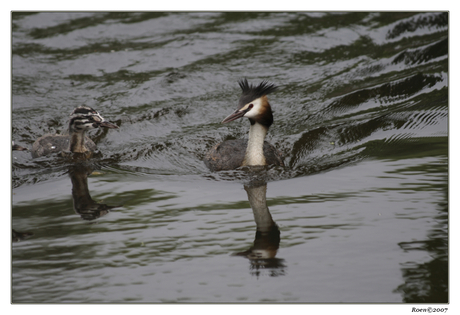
(49, 144)
(229, 155)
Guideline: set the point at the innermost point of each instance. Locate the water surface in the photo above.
(359, 214)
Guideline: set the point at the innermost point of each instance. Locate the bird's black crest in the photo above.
(252, 92)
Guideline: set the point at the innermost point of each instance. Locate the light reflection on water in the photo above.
(361, 116)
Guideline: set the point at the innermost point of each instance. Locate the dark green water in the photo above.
(361, 116)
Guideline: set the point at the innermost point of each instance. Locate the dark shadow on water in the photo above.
(19, 236)
(428, 282)
(262, 254)
(83, 204)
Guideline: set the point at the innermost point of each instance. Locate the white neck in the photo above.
(255, 150)
(257, 197)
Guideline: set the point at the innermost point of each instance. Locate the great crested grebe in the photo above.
(232, 154)
(82, 119)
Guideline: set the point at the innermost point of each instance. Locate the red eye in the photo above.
(250, 106)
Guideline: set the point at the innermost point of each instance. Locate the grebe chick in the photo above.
(232, 154)
(82, 119)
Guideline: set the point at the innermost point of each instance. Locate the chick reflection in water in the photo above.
(262, 254)
(83, 204)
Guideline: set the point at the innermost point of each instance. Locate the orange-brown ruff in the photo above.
(232, 154)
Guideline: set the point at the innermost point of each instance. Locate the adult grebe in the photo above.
(232, 154)
(82, 118)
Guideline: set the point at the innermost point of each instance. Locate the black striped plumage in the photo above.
(82, 118)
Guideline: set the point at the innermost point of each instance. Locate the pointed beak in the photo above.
(237, 114)
(108, 125)
(234, 116)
